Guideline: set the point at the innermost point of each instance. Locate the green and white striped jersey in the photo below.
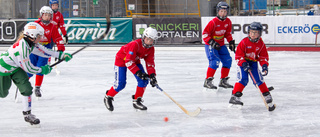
(18, 56)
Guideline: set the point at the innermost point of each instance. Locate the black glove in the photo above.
(232, 46)
(264, 70)
(246, 67)
(66, 38)
(153, 80)
(142, 75)
(214, 44)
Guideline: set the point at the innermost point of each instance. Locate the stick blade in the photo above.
(194, 113)
(272, 107)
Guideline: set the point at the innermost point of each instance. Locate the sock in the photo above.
(139, 92)
(238, 87)
(210, 72)
(39, 80)
(224, 72)
(112, 92)
(263, 88)
(26, 102)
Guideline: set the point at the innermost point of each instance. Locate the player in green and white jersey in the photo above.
(15, 64)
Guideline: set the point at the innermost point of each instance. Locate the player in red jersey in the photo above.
(58, 18)
(51, 33)
(250, 51)
(128, 57)
(213, 35)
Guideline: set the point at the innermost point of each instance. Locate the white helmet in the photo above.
(46, 9)
(150, 33)
(33, 29)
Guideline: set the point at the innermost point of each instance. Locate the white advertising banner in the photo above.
(276, 29)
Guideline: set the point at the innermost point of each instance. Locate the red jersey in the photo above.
(252, 51)
(217, 30)
(130, 54)
(59, 22)
(51, 33)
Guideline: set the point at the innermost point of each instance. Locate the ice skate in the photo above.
(235, 101)
(224, 83)
(108, 102)
(208, 85)
(30, 118)
(268, 98)
(137, 103)
(37, 91)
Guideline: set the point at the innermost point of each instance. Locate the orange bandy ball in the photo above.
(166, 119)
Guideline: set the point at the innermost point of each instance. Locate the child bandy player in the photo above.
(213, 35)
(15, 62)
(128, 57)
(250, 51)
(58, 18)
(51, 35)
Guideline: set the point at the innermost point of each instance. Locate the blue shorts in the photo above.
(216, 56)
(121, 78)
(243, 76)
(39, 61)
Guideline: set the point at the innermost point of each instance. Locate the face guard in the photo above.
(255, 26)
(46, 9)
(53, 2)
(222, 5)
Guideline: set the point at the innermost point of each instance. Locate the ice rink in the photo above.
(72, 103)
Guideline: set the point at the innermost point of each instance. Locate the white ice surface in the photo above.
(72, 102)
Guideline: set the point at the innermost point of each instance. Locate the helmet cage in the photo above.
(146, 45)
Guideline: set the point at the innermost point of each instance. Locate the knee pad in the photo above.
(25, 87)
(27, 91)
(227, 63)
(143, 83)
(214, 64)
(244, 81)
(120, 86)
